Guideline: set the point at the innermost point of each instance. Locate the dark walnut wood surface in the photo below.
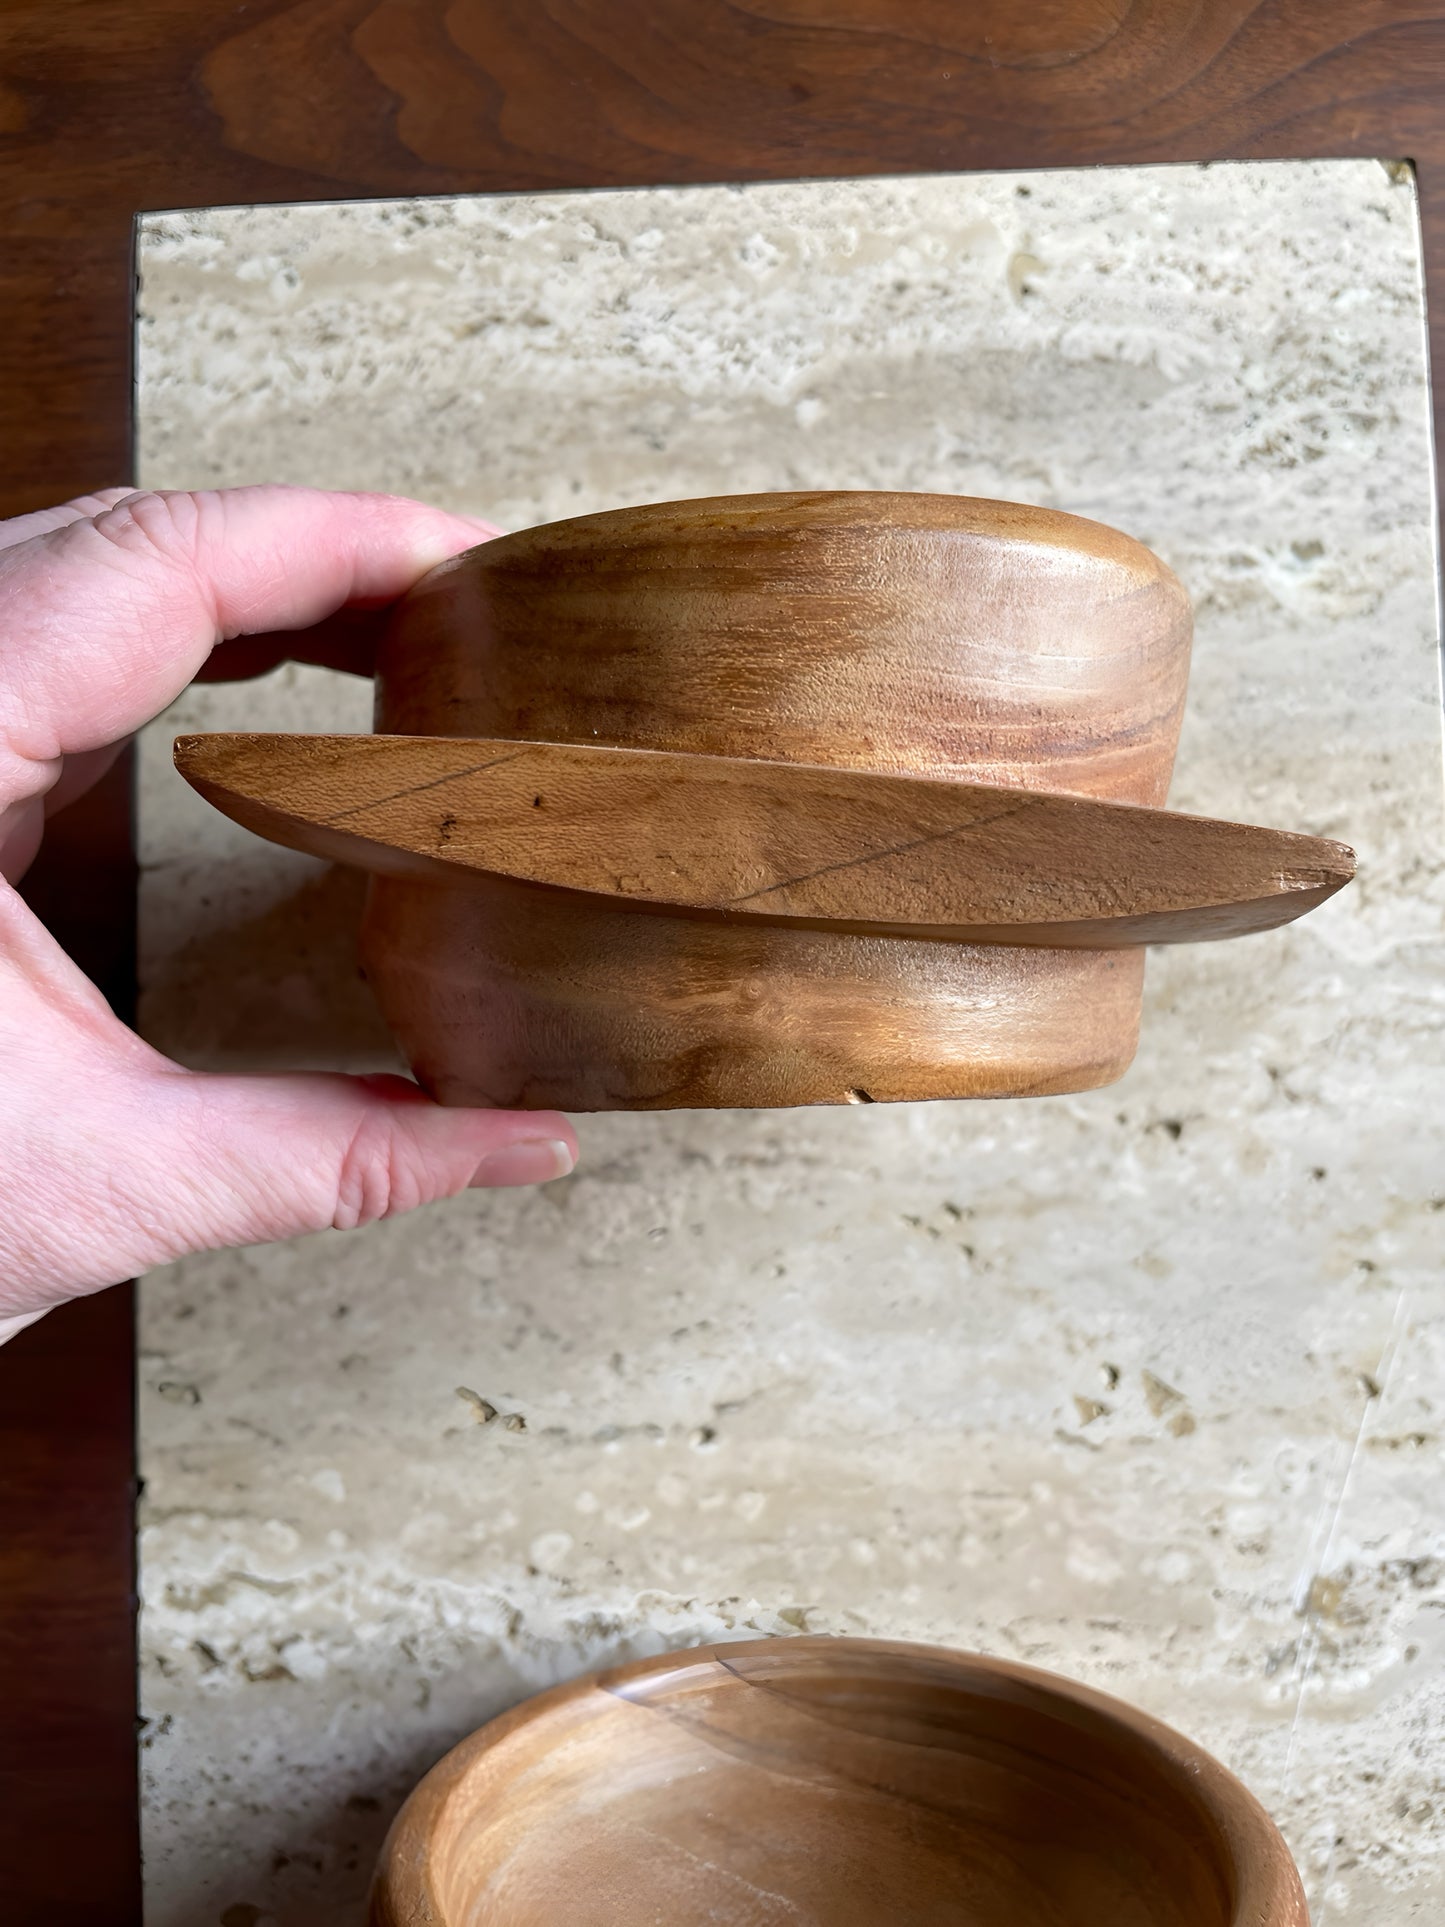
(112, 107)
(107, 109)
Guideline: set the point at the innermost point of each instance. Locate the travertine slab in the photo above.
(1145, 1385)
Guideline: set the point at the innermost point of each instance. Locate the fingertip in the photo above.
(551, 1124)
(535, 1160)
(482, 528)
(436, 535)
(508, 1147)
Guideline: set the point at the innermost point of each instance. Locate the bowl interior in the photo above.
(828, 1782)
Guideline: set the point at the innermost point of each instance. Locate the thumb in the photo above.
(172, 1162)
(259, 1158)
(113, 1160)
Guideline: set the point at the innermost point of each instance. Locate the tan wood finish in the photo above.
(779, 843)
(934, 635)
(500, 993)
(831, 1783)
(883, 772)
(922, 635)
(116, 107)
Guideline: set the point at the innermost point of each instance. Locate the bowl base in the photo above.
(508, 995)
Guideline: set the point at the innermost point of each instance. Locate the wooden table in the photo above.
(109, 109)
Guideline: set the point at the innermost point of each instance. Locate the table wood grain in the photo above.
(123, 106)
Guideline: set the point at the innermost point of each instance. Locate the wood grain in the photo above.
(849, 1781)
(777, 843)
(124, 105)
(938, 635)
(111, 108)
(931, 636)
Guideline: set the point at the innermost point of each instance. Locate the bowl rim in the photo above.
(810, 512)
(1266, 1882)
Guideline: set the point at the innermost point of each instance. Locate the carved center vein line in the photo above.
(881, 856)
(415, 789)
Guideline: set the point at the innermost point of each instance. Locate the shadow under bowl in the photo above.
(831, 1783)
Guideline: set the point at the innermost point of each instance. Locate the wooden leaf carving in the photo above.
(783, 843)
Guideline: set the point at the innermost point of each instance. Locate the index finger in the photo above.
(104, 620)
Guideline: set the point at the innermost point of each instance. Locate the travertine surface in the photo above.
(1145, 1385)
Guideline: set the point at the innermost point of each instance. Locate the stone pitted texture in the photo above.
(1144, 1385)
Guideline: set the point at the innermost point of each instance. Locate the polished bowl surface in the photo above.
(831, 1783)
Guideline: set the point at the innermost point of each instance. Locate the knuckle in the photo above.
(99, 500)
(154, 522)
(375, 1179)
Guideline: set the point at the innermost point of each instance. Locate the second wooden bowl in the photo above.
(928, 634)
(831, 1783)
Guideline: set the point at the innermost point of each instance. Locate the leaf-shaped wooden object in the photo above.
(784, 843)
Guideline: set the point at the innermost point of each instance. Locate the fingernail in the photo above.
(533, 1160)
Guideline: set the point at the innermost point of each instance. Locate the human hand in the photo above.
(113, 1159)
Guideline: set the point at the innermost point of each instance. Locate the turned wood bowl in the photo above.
(774, 800)
(831, 1783)
(925, 634)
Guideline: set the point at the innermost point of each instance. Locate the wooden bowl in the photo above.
(831, 1783)
(927, 634)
